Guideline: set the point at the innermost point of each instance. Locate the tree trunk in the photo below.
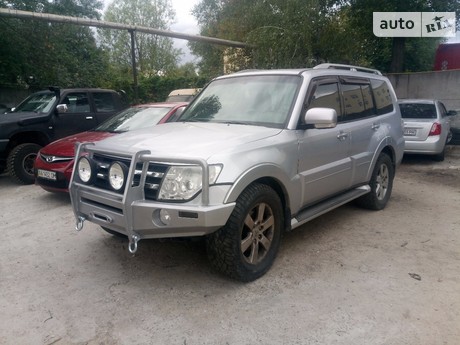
(397, 55)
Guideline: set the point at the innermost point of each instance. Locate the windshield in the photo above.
(256, 100)
(37, 103)
(417, 111)
(134, 118)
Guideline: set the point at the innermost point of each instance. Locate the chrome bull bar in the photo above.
(132, 192)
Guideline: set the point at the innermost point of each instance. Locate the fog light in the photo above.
(117, 175)
(84, 169)
(165, 217)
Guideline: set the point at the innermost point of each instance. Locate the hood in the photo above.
(65, 147)
(25, 117)
(179, 139)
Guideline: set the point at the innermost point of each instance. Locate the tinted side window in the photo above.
(383, 102)
(77, 102)
(104, 102)
(326, 96)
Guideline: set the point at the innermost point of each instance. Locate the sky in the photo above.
(185, 23)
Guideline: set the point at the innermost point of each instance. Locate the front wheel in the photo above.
(20, 162)
(246, 246)
(381, 184)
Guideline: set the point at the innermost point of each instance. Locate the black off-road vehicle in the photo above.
(46, 116)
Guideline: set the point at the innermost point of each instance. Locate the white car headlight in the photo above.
(183, 182)
(84, 169)
(117, 175)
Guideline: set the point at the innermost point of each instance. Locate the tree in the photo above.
(284, 33)
(302, 33)
(392, 54)
(154, 54)
(38, 54)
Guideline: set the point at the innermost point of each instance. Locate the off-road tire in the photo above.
(254, 227)
(381, 184)
(20, 162)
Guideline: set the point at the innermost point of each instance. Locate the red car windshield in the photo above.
(133, 118)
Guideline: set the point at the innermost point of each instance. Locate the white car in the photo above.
(426, 127)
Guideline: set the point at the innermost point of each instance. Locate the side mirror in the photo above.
(452, 113)
(62, 108)
(321, 117)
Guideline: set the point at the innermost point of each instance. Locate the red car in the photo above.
(54, 162)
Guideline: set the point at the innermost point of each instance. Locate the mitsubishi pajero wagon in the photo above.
(256, 153)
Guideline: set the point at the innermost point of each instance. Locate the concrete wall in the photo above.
(442, 85)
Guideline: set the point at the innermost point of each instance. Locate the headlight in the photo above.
(117, 175)
(84, 169)
(183, 182)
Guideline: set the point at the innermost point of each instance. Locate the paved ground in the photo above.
(349, 277)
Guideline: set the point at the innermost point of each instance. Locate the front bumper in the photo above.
(134, 216)
(144, 217)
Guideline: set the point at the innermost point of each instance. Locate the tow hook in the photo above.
(80, 220)
(132, 247)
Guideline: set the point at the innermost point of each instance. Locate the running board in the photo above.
(327, 205)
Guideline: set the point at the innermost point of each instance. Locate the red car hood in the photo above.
(65, 147)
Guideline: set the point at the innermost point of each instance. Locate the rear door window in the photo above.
(104, 102)
(382, 97)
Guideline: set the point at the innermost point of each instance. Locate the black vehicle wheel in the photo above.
(246, 246)
(2, 168)
(440, 156)
(20, 162)
(381, 184)
(114, 233)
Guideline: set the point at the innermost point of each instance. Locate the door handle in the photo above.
(375, 126)
(89, 117)
(342, 136)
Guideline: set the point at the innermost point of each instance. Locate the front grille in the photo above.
(155, 174)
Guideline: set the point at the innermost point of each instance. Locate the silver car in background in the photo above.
(426, 127)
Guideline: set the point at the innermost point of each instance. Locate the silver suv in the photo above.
(255, 154)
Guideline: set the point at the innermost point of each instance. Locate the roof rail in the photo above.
(348, 68)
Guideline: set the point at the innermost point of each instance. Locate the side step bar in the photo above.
(327, 205)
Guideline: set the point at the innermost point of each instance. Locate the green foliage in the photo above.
(394, 54)
(156, 88)
(37, 54)
(303, 33)
(154, 54)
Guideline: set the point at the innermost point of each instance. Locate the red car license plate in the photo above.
(49, 175)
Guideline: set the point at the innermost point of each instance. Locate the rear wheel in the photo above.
(440, 156)
(246, 246)
(20, 162)
(381, 184)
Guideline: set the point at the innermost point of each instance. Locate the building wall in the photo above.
(442, 85)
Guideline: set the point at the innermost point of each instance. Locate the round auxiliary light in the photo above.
(117, 175)
(84, 169)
